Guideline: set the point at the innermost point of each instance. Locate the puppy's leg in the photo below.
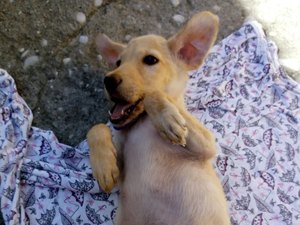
(199, 139)
(103, 156)
(178, 126)
(166, 117)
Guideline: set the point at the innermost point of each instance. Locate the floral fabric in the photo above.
(252, 106)
(240, 93)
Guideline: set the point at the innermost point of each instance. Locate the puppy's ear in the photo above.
(193, 41)
(108, 49)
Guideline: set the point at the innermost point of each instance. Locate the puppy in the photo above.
(167, 177)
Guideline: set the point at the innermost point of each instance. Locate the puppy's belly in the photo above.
(163, 186)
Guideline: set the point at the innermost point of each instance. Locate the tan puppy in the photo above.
(167, 173)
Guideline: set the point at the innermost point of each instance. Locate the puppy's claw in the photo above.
(179, 141)
(183, 143)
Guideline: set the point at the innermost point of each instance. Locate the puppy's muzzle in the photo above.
(126, 110)
(111, 83)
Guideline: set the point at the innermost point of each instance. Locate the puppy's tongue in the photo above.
(119, 110)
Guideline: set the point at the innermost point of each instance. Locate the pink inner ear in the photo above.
(111, 55)
(109, 49)
(193, 42)
(187, 53)
(194, 51)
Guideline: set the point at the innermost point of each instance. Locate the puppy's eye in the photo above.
(150, 60)
(118, 63)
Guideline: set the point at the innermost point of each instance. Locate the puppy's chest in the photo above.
(142, 141)
(146, 151)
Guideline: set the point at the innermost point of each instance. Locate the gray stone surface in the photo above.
(48, 48)
(43, 46)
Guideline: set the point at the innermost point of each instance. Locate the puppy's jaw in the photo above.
(123, 115)
(128, 106)
(127, 96)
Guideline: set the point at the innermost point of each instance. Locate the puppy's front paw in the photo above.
(105, 169)
(103, 156)
(166, 117)
(171, 125)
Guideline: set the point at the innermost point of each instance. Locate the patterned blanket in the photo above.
(240, 93)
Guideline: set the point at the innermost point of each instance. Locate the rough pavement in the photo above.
(47, 46)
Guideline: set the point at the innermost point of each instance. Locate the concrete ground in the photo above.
(47, 46)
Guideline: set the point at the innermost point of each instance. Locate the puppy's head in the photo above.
(151, 62)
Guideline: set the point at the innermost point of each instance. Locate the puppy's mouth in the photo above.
(124, 114)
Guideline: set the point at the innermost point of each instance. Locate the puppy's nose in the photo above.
(112, 82)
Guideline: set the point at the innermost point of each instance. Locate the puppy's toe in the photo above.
(105, 169)
(178, 132)
(173, 127)
(107, 177)
(108, 181)
(115, 173)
